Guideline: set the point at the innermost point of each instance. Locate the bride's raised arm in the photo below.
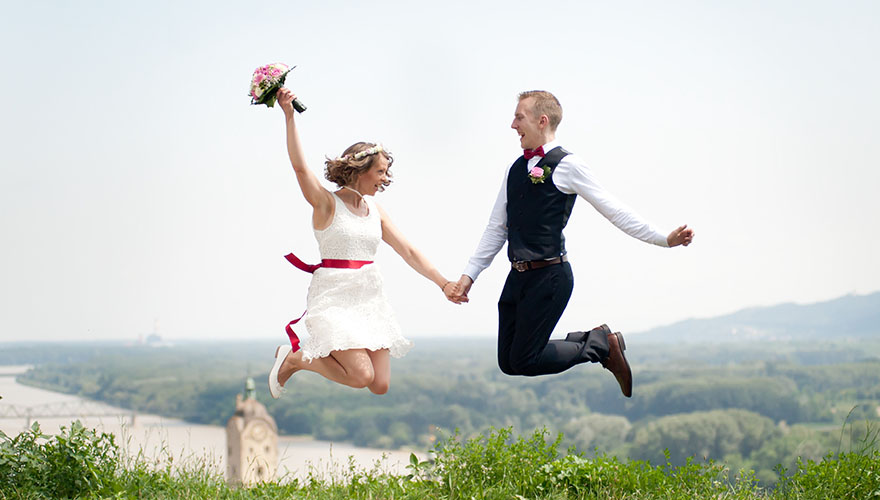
(318, 197)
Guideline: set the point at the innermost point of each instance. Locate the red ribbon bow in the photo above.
(531, 153)
(311, 268)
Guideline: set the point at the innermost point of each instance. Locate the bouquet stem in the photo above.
(298, 106)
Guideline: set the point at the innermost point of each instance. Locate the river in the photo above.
(159, 439)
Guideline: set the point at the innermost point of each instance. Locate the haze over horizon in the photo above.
(139, 188)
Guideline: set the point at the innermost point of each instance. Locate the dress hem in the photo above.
(396, 350)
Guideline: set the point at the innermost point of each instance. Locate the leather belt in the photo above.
(529, 265)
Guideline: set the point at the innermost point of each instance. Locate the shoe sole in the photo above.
(622, 344)
(277, 350)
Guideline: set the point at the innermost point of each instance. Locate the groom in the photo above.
(532, 208)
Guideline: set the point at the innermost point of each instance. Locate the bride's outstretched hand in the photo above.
(453, 292)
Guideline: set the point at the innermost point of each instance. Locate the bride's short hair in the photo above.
(355, 160)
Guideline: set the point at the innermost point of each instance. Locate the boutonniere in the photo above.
(538, 174)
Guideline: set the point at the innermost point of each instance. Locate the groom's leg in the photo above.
(596, 347)
(543, 295)
(507, 320)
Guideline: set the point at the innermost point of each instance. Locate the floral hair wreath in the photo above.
(361, 154)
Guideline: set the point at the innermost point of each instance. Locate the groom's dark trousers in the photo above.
(529, 308)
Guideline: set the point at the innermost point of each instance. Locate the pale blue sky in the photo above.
(138, 185)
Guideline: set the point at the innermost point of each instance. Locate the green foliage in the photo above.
(608, 477)
(776, 397)
(76, 462)
(702, 435)
(842, 382)
(844, 476)
(491, 466)
(853, 474)
(595, 431)
(486, 467)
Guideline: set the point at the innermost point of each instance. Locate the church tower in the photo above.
(251, 441)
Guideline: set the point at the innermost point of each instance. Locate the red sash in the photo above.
(311, 268)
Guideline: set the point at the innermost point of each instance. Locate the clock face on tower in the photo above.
(258, 431)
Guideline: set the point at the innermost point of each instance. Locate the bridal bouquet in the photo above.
(266, 82)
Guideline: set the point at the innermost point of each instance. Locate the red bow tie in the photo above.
(531, 153)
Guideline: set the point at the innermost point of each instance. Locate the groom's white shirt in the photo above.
(571, 176)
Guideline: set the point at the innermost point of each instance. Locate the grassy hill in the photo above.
(80, 463)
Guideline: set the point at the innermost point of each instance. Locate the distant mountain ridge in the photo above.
(850, 316)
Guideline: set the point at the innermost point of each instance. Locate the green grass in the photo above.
(82, 463)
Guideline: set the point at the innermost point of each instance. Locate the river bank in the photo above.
(164, 440)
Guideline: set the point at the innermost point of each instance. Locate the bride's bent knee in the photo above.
(361, 378)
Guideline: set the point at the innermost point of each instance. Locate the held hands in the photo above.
(452, 291)
(456, 292)
(680, 236)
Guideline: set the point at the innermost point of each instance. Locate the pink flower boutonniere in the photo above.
(538, 174)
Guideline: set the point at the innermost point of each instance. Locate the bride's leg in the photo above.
(381, 371)
(351, 367)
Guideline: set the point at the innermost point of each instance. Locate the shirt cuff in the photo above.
(472, 271)
(661, 241)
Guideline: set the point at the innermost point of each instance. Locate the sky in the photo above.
(141, 193)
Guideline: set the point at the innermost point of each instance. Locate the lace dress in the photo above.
(347, 308)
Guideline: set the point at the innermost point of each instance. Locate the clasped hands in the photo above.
(456, 291)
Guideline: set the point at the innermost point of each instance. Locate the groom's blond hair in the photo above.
(545, 104)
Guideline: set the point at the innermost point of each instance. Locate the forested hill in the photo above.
(849, 317)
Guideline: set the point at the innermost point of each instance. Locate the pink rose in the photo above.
(536, 172)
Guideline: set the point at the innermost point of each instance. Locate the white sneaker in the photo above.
(276, 389)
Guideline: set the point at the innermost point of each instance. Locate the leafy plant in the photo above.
(72, 463)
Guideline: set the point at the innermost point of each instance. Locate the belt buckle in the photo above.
(520, 266)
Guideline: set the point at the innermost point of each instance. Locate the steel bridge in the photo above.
(61, 409)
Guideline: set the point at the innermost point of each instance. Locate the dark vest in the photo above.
(536, 213)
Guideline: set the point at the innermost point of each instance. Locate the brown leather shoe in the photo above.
(616, 363)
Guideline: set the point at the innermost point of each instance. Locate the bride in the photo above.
(353, 332)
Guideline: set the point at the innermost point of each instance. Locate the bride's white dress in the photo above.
(347, 308)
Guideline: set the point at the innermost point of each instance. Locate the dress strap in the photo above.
(354, 190)
(362, 197)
